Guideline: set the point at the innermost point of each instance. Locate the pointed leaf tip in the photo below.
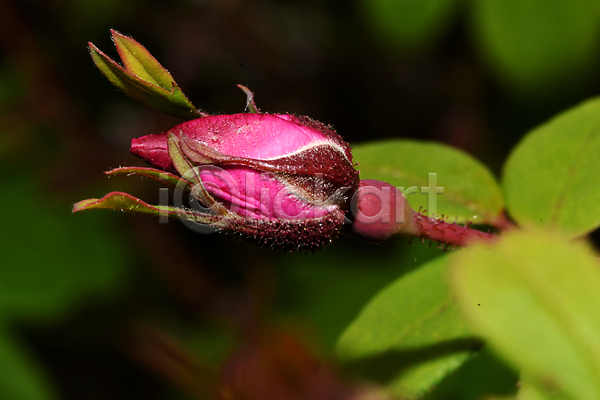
(138, 61)
(143, 78)
(116, 201)
(83, 204)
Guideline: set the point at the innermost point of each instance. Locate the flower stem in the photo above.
(438, 230)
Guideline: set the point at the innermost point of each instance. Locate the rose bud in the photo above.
(279, 180)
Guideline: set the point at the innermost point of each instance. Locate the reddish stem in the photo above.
(450, 234)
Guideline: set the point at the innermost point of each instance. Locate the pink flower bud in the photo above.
(280, 180)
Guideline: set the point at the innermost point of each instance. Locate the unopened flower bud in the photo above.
(280, 180)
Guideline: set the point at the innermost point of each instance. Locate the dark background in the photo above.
(104, 305)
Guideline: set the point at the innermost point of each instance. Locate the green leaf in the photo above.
(356, 267)
(171, 101)
(550, 180)
(139, 62)
(410, 336)
(531, 391)
(408, 23)
(535, 297)
(470, 191)
(22, 378)
(480, 377)
(535, 44)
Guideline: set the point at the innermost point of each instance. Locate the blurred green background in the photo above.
(80, 292)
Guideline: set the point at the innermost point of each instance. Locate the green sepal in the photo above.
(155, 174)
(126, 202)
(190, 171)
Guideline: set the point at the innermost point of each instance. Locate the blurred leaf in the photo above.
(50, 258)
(535, 44)
(535, 297)
(481, 376)
(408, 23)
(594, 6)
(500, 398)
(22, 378)
(170, 100)
(531, 391)
(470, 191)
(359, 269)
(410, 335)
(550, 180)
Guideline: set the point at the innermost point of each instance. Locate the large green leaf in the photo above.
(361, 269)
(410, 335)
(535, 297)
(534, 44)
(479, 378)
(551, 179)
(532, 391)
(22, 378)
(408, 23)
(470, 191)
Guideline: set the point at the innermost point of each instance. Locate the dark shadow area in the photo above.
(393, 364)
